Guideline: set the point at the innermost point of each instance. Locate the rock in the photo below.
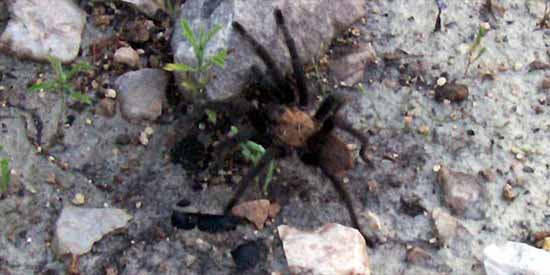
(444, 225)
(77, 229)
(36, 29)
(515, 258)
(106, 107)
(138, 31)
(452, 92)
(255, 211)
(508, 193)
(141, 94)
(546, 83)
(417, 255)
(249, 255)
(312, 23)
(348, 64)
(149, 7)
(79, 199)
(332, 249)
(463, 193)
(128, 56)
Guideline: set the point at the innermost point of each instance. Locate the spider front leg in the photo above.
(270, 155)
(347, 127)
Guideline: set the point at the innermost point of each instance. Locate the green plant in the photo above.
(62, 82)
(475, 52)
(253, 152)
(5, 175)
(197, 75)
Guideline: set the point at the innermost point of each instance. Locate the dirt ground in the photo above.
(502, 129)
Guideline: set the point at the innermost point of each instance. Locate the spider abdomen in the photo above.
(294, 127)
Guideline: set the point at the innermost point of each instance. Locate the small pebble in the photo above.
(508, 193)
(110, 93)
(79, 199)
(441, 81)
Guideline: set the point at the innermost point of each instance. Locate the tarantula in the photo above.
(280, 121)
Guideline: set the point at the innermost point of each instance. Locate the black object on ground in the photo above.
(205, 222)
(249, 254)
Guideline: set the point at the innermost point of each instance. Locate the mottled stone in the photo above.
(142, 94)
(148, 7)
(77, 229)
(444, 225)
(36, 30)
(348, 65)
(331, 249)
(515, 258)
(255, 211)
(127, 55)
(312, 23)
(463, 193)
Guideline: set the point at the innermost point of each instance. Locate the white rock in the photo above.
(77, 229)
(148, 7)
(128, 56)
(39, 29)
(332, 249)
(516, 258)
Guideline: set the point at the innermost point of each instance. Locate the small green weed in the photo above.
(253, 152)
(62, 81)
(475, 52)
(5, 175)
(197, 76)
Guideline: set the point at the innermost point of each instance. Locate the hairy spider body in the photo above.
(279, 117)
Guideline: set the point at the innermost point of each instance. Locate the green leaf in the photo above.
(46, 86)
(5, 175)
(219, 58)
(188, 33)
(57, 68)
(212, 116)
(210, 34)
(171, 67)
(79, 67)
(269, 175)
(82, 98)
(189, 85)
(233, 130)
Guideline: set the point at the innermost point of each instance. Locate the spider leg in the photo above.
(266, 86)
(253, 173)
(297, 66)
(330, 106)
(346, 126)
(272, 68)
(348, 201)
(236, 107)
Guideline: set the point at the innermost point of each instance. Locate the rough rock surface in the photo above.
(445, 225)
(37, 30)
(142, 94)
(463, 193)
(77, 229)
(515, 258)
(331, 249)
(313, 24)
(148, 7)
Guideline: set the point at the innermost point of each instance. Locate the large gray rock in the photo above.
(77, 229)
(142, 94)
(313, 24)
(332, 249)
(148, 7)
(39, 29)
(515, 258)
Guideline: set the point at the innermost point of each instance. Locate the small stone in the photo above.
(110, 93)
(417, 255)
(436, 168)
(546, 84)
(190, 259)
(88, 121)
(143, 138)
(444, 225)
(441, 81)
(79, 199)
(128, 56)
(546, 244)
(149, 7)
(77, 229)
(39, 29)
(424, 129)
(485, 25)
(452, 92)
(508, 192)
(463, 193)
(517, 66)
(106, 107)
(373, 221)
(149, 131)
(141, 94)
(538, 65)
(331, 249)
(256, 212)
(488, 175)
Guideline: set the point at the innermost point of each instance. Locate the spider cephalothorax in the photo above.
(280, 116)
